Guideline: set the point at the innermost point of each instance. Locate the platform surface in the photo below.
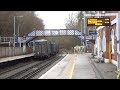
(83, 68)
(6, 59)
(73, 66)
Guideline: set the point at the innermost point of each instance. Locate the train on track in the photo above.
(45, 49)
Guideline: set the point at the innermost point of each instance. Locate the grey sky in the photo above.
(54, 19)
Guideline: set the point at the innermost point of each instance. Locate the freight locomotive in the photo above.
(45, 49)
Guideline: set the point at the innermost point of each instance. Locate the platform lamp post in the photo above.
(19, 34)
(84, 34)
(14, 28)
(80, 21)
(81, 29)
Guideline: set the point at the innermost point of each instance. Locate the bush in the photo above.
(118, 74)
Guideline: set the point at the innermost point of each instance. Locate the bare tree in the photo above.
(27, 23)
(71, 21)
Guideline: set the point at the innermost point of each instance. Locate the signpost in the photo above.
(92, 32)
(98, 21)
(90, 41)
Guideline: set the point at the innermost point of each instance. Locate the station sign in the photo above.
(90, 41)
(92, 32)
(98, 22)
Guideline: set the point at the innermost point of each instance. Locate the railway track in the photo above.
(13, 68)
(33, 70)
(38, 69)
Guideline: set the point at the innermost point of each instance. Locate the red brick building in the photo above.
(108, 39)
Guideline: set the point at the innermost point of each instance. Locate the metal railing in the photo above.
(6, 39)
(9, 39)
(55, 32)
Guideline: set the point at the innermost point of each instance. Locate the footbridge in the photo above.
(54, 32)
(44, 33)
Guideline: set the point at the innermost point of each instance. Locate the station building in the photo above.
(106, 40)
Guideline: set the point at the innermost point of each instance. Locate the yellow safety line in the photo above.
(73, 65)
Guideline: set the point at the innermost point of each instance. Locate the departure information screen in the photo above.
(98, 21)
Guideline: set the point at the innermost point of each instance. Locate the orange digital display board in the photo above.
(98, 21)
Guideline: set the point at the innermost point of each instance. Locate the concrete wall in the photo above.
(10, 51)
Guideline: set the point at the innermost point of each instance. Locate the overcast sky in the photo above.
(54, 19)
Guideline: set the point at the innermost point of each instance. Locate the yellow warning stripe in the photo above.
(73, 65)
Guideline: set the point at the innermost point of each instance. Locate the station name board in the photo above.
(98, 21)
(92, 32)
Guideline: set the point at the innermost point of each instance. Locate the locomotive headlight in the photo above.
(37, 52)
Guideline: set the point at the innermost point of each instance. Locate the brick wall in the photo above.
(114, 55)
(108, 37)
(107, 34)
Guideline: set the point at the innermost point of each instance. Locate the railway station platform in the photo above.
(73, 66)
(6, 59)
(80, 66)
